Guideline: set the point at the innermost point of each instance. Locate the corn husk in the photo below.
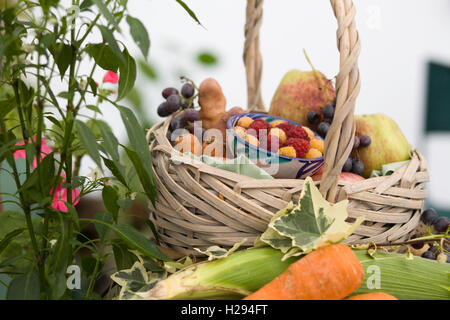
(405, 279)
(233, 277)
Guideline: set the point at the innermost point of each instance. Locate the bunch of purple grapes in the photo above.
(353, 164)
(440, 225)
(176, 101)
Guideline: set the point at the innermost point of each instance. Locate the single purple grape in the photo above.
(365, 141)
(168, 92)
(187, 90)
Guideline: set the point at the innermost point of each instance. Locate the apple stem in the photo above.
(317, 75)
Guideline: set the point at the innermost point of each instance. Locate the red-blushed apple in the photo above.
(300, 92)
(344, 176)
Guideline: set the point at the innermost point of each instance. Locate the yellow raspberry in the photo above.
(245, 122)
(241, 132)
(310, 133)
(316, 144)
(288, 152)
(279, 133)
(252, 140)
(313, 153)
(277, 122)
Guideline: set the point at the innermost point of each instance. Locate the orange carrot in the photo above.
(373, 296)
(329, 273)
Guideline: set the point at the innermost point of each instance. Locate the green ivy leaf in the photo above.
(117, 170)
(139, 34)
(127, 75)
(87, 138)
(312, 224)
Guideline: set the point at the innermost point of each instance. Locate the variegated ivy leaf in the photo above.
(312, 224)
(135, 280)
(216, 252)
(172, 267)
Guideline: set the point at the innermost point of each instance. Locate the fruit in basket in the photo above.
(245, 122)
(241, 132)
(287, 151)
(272, 143)
(344, 176)
(300, 92)
(387, 142)
(323, 128)
(317, 144)
(313, 153)
(310, 133)
(286, 127)
(252, 140)
(300, 145)
(168, 92)
(212, 102)
(259, 127)
(357, 166)
(298, 132)
(278, 133)
(187, 90)
(222, 124)
(275, 123)
(188, 143)
(213, 147)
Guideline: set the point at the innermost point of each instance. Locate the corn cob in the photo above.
(229, 278)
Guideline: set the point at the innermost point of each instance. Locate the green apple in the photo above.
(388, 142)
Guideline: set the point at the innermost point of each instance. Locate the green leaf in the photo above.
(6, 106)
(93, 86)
(110, 197)
(24, 287)
(125, 204)
(312, 224)
(139, 34)
(109, 38)
(110, 142)
(104, 56)
(207, 58)
(116, 169)
(57, 265)
(216, 252)
(188, 10)
(47, 168)
(9, 237)
(94, 108)
(88, 140)
(123, 257)
(106, 13)
(100, 227)
(135, 240)
(146, 180)
(63, 55)
(73, 215)
(85, 5)
(127, 75)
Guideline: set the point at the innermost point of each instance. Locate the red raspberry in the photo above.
(298, 132)
(257, 126)
(272, 143)
(286, 127)
(301, 146)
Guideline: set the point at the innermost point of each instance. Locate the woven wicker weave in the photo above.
(198, 206)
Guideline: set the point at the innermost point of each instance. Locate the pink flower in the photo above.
(45, 149)
(111, 77)
(60, 198)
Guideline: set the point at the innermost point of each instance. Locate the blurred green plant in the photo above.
(44, 46)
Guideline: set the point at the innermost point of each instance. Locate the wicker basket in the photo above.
(198, 206)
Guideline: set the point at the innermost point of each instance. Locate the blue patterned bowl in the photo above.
(279, 166)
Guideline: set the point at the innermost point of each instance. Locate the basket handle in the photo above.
(340, 138)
